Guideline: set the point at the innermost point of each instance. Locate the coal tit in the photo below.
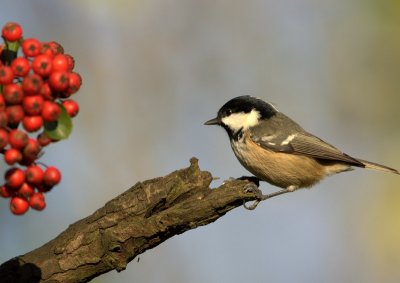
(278, 150)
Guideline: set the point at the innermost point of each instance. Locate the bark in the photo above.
(139, 219)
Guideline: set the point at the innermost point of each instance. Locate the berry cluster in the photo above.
(35, 91)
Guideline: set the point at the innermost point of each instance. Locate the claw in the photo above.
(252, 188)
(251, 207)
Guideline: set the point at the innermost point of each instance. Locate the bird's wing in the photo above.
(304, 143)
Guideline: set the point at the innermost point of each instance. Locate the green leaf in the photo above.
(61, 128)
(13, 45)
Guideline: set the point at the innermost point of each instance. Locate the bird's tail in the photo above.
(379, 167)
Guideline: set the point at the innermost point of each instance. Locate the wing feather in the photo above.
(304, 143)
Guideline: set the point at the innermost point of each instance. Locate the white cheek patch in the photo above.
(237, 121)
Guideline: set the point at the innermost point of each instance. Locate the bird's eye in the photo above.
(228, 112)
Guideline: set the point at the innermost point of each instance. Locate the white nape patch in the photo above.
(288, 139)
(237, 121)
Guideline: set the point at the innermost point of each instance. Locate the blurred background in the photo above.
(153, 71)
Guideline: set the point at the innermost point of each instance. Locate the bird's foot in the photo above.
(253, 188)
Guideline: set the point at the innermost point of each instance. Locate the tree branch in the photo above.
(139, 219)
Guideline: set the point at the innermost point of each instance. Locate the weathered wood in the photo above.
(139, 219)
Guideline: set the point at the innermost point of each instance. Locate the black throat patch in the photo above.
(234, 135)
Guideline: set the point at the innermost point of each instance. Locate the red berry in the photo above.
(44, 139)
(46, 50)
(52, 176)
(31, 151)
(60, 63)
(12, 156)
(3, 119)
(71, 62)
(6, 75)
(13, 94)
(18, 205)
(52, 48)
(32, 84)
(59, 81)
(5, 192)
(32, 123)
(15, 114)
(37, 201)
(33, 104)
(42, 65)
(25, 191)
(34, 175)
(31, 47)
(56, 47)
(14, 177)
(20, 66)
(3, 138)
(45, 92)
(18, 139)
(12, 31)
(72, 107)
(2, 102)
(75, 82)
(51, 111)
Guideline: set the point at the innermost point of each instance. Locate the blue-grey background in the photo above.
(154, 71)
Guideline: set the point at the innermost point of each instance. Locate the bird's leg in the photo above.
(253, 188)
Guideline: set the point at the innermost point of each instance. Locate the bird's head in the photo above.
(242, 113)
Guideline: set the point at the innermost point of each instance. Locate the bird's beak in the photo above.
(215, 121)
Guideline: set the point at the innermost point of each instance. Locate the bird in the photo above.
(277, 150)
